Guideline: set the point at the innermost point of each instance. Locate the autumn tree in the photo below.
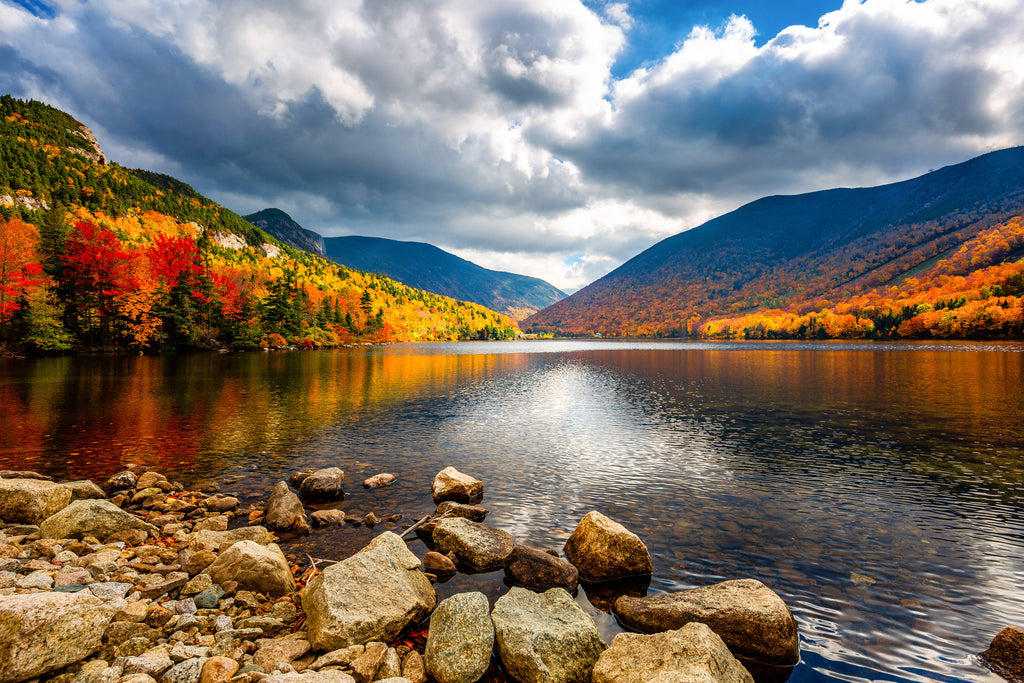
(20, 270)
(97, 270)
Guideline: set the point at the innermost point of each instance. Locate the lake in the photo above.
(877, 487)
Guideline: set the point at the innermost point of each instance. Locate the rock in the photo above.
(480, 547)
(379, 481)
(752, 619)
(209, 598)
(107, 590)
(539, 571)
(450, 484)
(215, 523)
(692, 653)
(149, 479)
(157, 616)
(198, 561)
(365, 666)
(371, 595)
(325, 484)
(391, 668)
(218, 670)
(438, 564)
(340, 657)
(127, 536)
(1005, 655)
(222, 504)
(136, 678)
(197, 585)
(286, 649)
(322, 518)
(186, 671)
(152, 662)
(90, 517)
(170, 582)
(218, 539)
(371, 520)
(37, 579)
(603, 550)
(413, 668)
(262, 569)
(31, 500)
(83, 489)
(120, 631)
(310, 677)
(545, 637)
(284, 510)
(43, 632)
(122, 480)
(476, 513)
(460, 640)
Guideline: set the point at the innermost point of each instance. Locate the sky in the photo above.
(553, 138)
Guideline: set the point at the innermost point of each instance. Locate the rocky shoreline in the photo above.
(142, 581)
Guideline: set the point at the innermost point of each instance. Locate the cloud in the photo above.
(497, 129)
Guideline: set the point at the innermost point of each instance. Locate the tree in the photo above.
(98, 270)
(20, 270)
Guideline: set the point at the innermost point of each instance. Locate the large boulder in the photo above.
(480, 547)
(751, 618)
(370, 596)
(603, 550)
(460, 640)
(1005, 655)
(31, 500)
(41, 632)
(450, 484)
(545, 637)
(257, 568)
(692, 653)
(324, 484)
(537, 570)
(216, 539)
(284, 510)
(90, 517)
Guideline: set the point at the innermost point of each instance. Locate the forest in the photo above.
(97, 257)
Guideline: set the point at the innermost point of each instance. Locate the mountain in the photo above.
(780, 266)
(425, 266)
(280, 225)
(96, 256)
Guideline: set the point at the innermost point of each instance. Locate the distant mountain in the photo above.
(280, 225)
(426, 267)
(869, 253)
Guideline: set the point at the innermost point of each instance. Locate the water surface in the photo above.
(876, 487)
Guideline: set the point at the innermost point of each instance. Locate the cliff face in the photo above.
(91, 146)
(280, 225)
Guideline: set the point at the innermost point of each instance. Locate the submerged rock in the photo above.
(480, 547)
(370, 596)
(450, 484)
(545, 637)
(460, 640)
(379, 481)
(603, 550)
(438, 564)
(692, 653)
(751, 618)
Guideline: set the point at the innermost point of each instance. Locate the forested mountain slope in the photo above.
(427, 267)
(97, 256)
(279, 224)
(938, 255)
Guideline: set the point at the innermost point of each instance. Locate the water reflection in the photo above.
(875, 487)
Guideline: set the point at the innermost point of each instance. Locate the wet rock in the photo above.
(476, 513)
(752, 619)
(365, 666)
(371, 520)
(1005, 655)
(438, 564)
(42, 632)
(322, 518)
(480, 547)
(284, 510)
(262, 569)
(122, 480)
(692, 653)
(90, 517)
(83, 489)
(31, 500)
(460, 640)
(545, 636)
(371, 595)
(539, 571)
(602, 550)
(222, 504)
(379, 481)
(324, 484)
(286, 649)
(450, 484)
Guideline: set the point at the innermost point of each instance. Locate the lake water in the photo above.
(876, 487)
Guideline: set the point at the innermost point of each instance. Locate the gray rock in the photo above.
(545, 637)
(460, 640)
(43, 632)
(450, 484)
(258, 568)
(539, 571)
(110, 590)
(90, 517)
(371, 595)
(152, 662)
(752, 619)
(480, 547)
(324, 484)
(692, 653)
(31, 500)
(603, 550)
(209, 598)
(187, 671)
(284, 510)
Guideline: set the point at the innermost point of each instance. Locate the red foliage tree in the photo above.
(19, 265)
